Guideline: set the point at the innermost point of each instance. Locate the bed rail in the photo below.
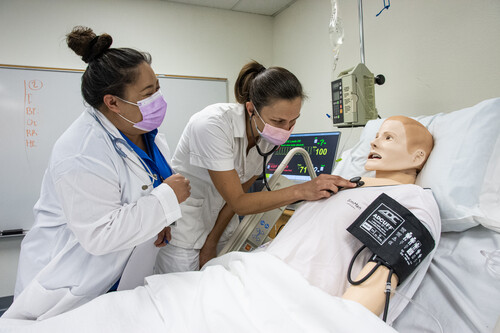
(254, 229)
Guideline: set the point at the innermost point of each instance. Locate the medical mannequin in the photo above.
(108, 193)
(397, 154)
(220, 152)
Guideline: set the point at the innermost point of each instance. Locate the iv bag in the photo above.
(336, 31)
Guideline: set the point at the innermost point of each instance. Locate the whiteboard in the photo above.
(36, 107)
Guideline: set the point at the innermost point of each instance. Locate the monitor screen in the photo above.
(322, 147)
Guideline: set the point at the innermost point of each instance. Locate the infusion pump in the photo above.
(353, 97)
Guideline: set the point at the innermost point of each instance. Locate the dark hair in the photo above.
(109, 70)
(264, 86)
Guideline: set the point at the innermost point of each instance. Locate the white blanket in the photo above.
(238, 292)
(458, 288)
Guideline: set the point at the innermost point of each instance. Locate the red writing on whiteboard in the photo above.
(31, 133)
(30, 143)
(35, 84)
(31, 111)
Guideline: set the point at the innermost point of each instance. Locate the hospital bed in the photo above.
(462, 286)
(255, 292)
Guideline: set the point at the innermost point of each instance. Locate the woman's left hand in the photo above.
(207, 252)
(164, 237)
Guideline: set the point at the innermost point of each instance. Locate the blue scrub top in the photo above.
(153, 157)
(155, 161)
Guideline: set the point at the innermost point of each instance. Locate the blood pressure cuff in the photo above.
(394, 235)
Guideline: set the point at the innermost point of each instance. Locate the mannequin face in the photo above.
(389, 150)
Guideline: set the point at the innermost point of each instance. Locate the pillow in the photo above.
(463, 169)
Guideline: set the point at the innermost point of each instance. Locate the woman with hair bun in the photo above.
(108, 193)
(221, 153)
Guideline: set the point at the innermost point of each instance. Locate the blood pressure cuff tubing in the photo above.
(394, 235)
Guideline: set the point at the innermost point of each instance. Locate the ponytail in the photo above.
(264, 86)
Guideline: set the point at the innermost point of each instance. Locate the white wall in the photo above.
(9, 256)
(183, 39)
(437, 56)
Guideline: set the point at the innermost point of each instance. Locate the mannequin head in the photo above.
(401, 146)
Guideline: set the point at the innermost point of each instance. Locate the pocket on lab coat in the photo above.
(191, 226)
(193, 206)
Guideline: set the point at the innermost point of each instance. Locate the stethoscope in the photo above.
(119, 141)
(264, 155)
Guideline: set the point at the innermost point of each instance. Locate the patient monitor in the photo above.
(321, 147)
(353, 96)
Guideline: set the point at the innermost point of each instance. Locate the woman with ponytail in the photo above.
(221, 153)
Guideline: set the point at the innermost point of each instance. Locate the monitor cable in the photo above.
(378, 263)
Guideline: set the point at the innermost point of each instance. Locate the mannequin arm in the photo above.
(370, 293)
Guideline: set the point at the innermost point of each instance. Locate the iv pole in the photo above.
(361, 36)
(379, 79)
(353, 93)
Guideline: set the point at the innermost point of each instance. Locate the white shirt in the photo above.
(214, 139)
(91, 214)
(316, 243)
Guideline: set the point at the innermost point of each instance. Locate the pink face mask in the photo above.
(153, 111)
(275, 135)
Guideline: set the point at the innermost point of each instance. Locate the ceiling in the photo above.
(263, 7)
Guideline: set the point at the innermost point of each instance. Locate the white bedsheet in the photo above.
(457, 288)
(238, 292)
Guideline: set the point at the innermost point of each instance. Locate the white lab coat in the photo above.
(91, 216)
(214, 139)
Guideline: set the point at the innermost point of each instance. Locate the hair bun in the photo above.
(96, 47)
(85, 43)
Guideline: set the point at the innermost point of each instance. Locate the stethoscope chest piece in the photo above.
(357, 180)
